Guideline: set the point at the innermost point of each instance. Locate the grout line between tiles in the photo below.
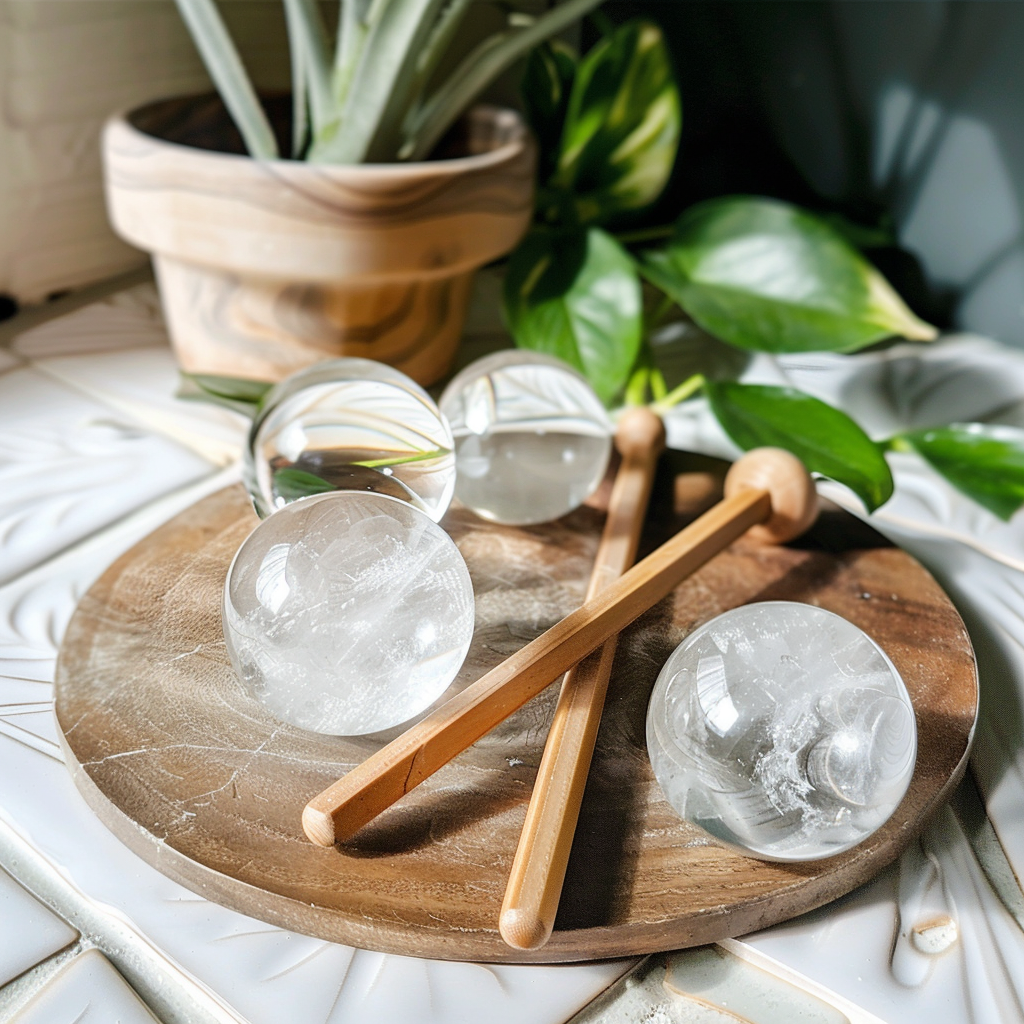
(165, 987)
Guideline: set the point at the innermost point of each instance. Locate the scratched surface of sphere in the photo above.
(782, 729)
(347, 613)
(532, 439)
(350, 424)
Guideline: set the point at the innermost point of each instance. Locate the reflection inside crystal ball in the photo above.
(782, 729)
(350, 424)
(347, 613)
(532, 439)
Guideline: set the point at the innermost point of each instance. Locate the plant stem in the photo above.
(896, 444)
(659, 389)
(636, 388)
(689, 387)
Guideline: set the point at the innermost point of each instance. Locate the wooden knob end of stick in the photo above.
(790, 488)
(640, 431)
(318, 825)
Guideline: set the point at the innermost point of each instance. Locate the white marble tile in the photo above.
(30, 931)
(70, 467)
(88, 991)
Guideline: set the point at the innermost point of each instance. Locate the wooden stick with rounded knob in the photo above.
(767, 489)
(538, 870)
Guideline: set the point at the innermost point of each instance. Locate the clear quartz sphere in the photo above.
(532, 439)
(347, 613)
(350, 424)
(782, 729)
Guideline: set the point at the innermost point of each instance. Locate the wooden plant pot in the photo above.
(266, 266)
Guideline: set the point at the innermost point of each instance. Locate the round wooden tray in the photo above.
(195, 777)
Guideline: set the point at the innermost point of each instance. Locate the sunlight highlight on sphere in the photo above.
(350, 424)
(782, 729)
(532, 439)
(347, 613)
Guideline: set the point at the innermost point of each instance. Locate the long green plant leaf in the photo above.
(229, 76)
(825, 439)
(622, 125)
(479, 69)
(239, 394)
(434, 52)
(300, 90)
(371, 119)
(352, 30)
(984, 461)
(577, 296)
(767, 276)
(308, 39)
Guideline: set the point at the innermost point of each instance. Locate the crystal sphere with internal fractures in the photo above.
(782, 729)
(349, 424)
(532, 439)
(347, 613)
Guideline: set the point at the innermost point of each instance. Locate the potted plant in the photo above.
(359, 244)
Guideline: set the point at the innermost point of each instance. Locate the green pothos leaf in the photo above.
(577, 296)
(982, 460)
(622, 125)
(825, 439)
(767, 276)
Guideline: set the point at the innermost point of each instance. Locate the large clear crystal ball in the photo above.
(532, 439)
(350, 424)
(782, 729)
(347, 613)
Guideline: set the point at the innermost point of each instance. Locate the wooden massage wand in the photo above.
(767, 489)
(538, 870)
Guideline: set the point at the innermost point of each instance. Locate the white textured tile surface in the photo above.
(117, 353)
(29, 931)
(140, 385)
(88, 991)
(70, 466)
(973, 971)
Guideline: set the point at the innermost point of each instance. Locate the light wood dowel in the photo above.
(538, 870)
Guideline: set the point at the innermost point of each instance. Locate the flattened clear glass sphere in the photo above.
(532, 439)
(347, 613)
(350, 424)
(782, 729)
